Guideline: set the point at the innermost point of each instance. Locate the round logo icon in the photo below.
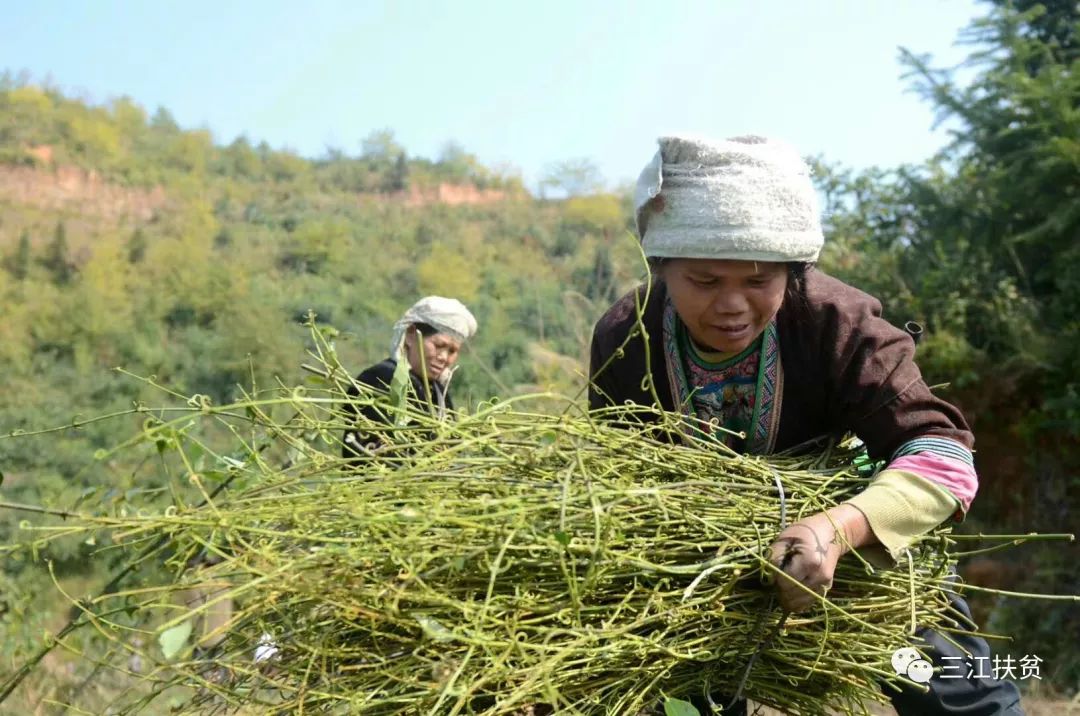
(907, 662)
(902, 657)
(920, 671)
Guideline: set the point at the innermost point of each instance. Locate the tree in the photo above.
(455, 163)
(446, 272)
(164, 121)
(130, 117)
(136, 247)
(574, 177)
(239, 159)
(57, 261)
(601, 285)
(315, 247)
(379, 147)
(1014, 198)
(596, 213)
(398, 178)
(18, 264)
(981, 243)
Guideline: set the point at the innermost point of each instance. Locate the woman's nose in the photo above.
(729, 302)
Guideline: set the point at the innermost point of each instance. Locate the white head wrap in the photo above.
(446, 315)
(746, 198)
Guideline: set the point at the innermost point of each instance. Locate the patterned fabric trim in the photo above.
(939, 446)
(680, 386)
(770, 388)
(956, 476)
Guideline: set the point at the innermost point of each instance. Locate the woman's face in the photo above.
(436, 353)
(725, 304)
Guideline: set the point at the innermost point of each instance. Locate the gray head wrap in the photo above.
(746, 198)
(446, 315)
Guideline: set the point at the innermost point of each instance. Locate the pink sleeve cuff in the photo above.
(956, 476)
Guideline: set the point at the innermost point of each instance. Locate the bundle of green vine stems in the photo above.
(514, 562)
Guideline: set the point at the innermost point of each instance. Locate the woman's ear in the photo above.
(657, 266)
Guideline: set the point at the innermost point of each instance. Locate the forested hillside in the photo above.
(127, 242)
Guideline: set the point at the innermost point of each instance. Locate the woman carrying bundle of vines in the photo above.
(765, 353)
(423, 358)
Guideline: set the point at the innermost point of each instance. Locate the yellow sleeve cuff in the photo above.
(902, 506)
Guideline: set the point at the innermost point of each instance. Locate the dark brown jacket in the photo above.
(379, 377)
(845, 369)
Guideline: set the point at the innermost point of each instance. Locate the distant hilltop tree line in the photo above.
(118, 138)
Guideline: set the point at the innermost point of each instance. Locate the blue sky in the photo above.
(525, 84)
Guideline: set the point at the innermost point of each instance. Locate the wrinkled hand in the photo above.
(808, 551)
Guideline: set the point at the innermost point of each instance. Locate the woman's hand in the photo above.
(808, 551)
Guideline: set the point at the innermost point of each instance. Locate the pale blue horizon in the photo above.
(515, 84)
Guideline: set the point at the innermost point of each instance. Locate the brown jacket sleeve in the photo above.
(621, 357)
(600, 383)
(876, 390)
